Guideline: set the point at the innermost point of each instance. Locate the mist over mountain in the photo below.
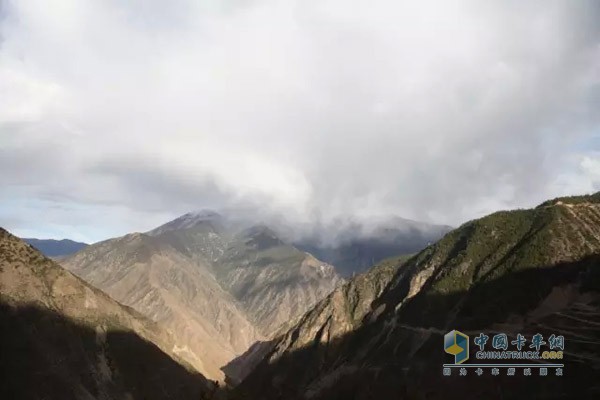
(356, 247)
(316, 110)
(56, 248)
(350, 245)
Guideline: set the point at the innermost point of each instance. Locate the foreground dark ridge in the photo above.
(62, 339)
(524, 271)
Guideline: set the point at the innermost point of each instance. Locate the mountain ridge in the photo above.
(219, 286)
(66, 339)
(151, 276)
(350, 245)
(56, 248)
(548, 257)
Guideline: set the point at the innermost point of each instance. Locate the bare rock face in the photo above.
(340, 312)
(273, 281)
(218, 286)
(164, 285)
(525, 271)
(329, 320)
(62, 338)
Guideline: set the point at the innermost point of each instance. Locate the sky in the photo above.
(117, 116)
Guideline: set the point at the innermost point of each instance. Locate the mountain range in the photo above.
(240, 304)
(380, 335)
(219, 286)
(56, 248)
(352, 247)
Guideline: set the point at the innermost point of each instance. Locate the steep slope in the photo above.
(342, 311)
(272, 280)
(151, 276)
(525, 271)
(56, 248)
(61, 338)
(357, 247)
(218, 285)
(339, 313)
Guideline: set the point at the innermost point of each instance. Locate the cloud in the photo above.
(438, 111)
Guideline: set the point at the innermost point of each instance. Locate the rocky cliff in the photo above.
(62, 338)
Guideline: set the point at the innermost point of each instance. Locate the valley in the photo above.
(218, 286)
(268, 321)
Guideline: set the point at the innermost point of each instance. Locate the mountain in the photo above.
(349, 245)
(356, 247)
(336, 315)
(153, 277)
(56, 248)
(516, 272)
(218, 285)
(61, 338)
(272, 280)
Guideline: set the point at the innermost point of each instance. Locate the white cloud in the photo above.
(432, 110)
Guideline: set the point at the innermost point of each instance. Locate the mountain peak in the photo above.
(260, 230)
(192, 218)
(187, 221)
(261, 237)
(204, 214)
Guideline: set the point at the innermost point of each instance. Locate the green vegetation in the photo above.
(589, 198)
(362, 290)
(520, 271)
(502, 247)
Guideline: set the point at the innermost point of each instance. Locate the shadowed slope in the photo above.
(62, 339)
(339, 313)
(48, 356)
(524, 271)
